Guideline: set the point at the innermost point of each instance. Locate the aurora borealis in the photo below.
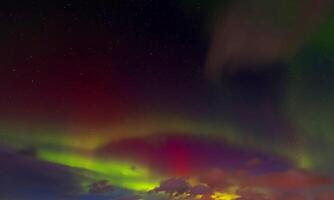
(154, 99)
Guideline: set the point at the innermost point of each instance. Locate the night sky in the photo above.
(125, 94)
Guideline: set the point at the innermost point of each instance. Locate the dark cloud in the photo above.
(186, 154)
(28, 178)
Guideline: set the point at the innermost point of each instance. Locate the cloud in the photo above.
(177, 186)
(248, 35)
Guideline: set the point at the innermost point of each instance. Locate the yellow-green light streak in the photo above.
(118, 173)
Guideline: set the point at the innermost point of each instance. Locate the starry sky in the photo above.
(137, 91)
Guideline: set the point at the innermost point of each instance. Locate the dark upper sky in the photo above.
(54, 53)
